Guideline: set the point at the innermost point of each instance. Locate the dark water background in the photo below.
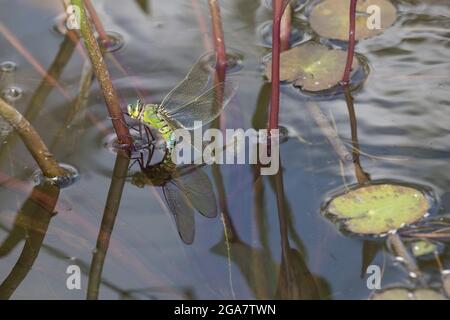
(403, 113)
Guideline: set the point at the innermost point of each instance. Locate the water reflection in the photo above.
(31, 224)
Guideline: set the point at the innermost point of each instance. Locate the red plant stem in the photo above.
(219, 43)
(351, 43)
(97, 22)
(276, 39)
(29, 57)
(285, 33)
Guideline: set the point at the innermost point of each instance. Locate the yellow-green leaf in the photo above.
(330, 18)
(379, 208)
(312, 66)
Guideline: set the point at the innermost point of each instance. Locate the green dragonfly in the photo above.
(191, 100)
(186, 189)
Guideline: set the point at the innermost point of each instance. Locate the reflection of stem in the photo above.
(78, 104)
(103, 77)
(43, 90)
(34, 217)
(329, 132)
(285, 32)
(282, 212)
(219, 43)
(351, 43)
(32, 140)
(107, 225)
(399, 248)
(29, 57)
(228, 224)
(361, 176)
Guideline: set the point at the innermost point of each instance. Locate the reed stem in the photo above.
(97, 22)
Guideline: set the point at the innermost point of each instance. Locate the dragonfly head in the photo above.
(136, 111)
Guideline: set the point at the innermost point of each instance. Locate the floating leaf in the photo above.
(379, 208)
(406, 294)
(423, 247)
(312, 66)
(330, 18)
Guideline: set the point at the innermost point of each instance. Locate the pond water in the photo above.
(403, 116)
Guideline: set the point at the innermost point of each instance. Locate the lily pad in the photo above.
(312, 66)
(406, 294)
(423, 247)
(330, 18)
(379, 208)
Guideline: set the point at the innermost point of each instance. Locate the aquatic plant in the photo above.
(278, 7)
(32, 140)
(102, 74)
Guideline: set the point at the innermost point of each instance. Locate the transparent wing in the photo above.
(204, 108)
(182, 210)
(191, 86)
(197, 187)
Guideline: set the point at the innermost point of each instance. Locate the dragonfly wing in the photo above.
(191, 86)
(204, 108)
(197, 187)
(182, 210)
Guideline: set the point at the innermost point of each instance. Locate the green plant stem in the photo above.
(32, 140)
(97, 22)
(102, 74)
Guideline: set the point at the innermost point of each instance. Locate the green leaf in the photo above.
(330, 18)
(423, 247)
(312, 66)
(379, 208)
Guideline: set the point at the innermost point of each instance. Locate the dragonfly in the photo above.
(190, 101)
(186, 189)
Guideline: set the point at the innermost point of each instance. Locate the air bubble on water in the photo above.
(140, 144)
(296, 5)
(8, 66)
(115, 41)
(70, 177)
(284, 134)
(12, 93)
(399, 259)
(234, 60)
(265, 33)
(412, 274)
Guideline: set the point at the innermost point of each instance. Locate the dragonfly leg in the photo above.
(132, 164)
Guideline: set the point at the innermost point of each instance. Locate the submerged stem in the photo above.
(32, 140)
